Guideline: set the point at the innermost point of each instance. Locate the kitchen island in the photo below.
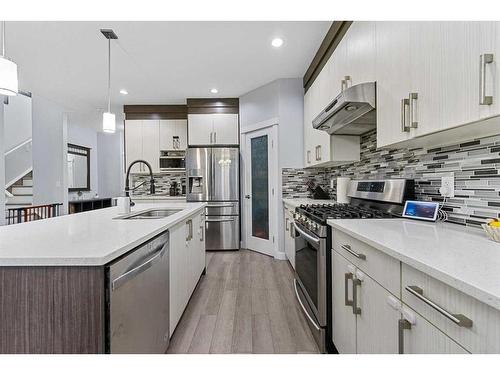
(53, 274)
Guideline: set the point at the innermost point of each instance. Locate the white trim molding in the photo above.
(260, 125)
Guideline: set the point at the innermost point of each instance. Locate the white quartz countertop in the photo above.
(90, 238)
(464, 258)
(295, 202)
(158, 198)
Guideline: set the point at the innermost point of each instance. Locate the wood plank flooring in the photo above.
(244, 304)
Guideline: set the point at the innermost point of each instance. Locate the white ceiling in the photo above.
(157, 62)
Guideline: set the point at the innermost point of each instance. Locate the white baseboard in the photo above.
(279, 255)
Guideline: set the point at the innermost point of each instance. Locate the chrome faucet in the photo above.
(151, 181)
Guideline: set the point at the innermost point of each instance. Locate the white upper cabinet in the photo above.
(225, 128)
(434, 76)
(200, 129)
(170, 129)
(360, 52)
(141, 142)
(133, 143)
(393, 80)
(150, 143)
(213, 129)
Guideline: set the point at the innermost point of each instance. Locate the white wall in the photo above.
(2, 167)
(110, 164)
(49, 153)
(18, 114)
(283, 100)
(86, 137)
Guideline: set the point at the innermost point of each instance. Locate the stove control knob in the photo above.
(316, 227)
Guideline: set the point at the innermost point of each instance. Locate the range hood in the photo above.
(352, 112)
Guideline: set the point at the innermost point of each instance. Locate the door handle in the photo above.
(247, 196)
(352, 252)
(219, 220)
(458, 319)
(347, 276)
(303, 307)
(129, 275)
(402, 325)
(189, 224)
(306, 236)
(413, 99)
(404, 103)
(355, 309)
(484, 59)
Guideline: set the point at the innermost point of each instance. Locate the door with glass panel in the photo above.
(259, 191)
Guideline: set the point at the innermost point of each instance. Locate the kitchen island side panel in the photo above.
(52, 310)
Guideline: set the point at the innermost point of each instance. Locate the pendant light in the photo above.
(8, 71)
(108, 118)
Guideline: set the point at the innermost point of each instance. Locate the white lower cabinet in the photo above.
(187, 262)
(363, 321)
(344, 321)
(376, 319)
(421, 337)
(373, 312)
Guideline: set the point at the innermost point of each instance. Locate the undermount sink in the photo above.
(156, 213)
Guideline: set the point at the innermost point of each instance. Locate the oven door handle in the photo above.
(306, 235)
(303, 308)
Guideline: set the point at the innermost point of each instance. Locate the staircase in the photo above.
(20, 194)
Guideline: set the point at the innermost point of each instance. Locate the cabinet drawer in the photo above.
(473, 324)
(381, 267)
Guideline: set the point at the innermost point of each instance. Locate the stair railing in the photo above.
(32, 213)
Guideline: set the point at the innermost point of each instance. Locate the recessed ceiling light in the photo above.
(123, 92)
(277, 42)
(214, 91)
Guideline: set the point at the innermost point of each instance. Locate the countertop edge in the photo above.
(465, 287)
(99, 261)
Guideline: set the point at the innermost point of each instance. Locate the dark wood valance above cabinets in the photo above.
(213, 105)
(155, 112)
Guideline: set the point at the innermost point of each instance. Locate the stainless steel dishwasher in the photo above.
(138, 286)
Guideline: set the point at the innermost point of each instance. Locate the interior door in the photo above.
(225, 171)
(259, 191)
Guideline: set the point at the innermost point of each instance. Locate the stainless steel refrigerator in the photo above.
(213, 177)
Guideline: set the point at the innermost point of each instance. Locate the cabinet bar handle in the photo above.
(412, 99)
(287, 228)
(402, 325)
(484, 59)
(189, 223)
(347, 276)
(215, 137)
(292, 232)
(318, 153)
(352, 252)
(355, 309)
(211, 135)
(404, 104)
(458, 319)
(308, 157)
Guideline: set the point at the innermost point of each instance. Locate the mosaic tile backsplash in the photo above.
(475, 164)
(162, 182)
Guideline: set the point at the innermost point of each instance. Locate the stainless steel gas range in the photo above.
(370, 199)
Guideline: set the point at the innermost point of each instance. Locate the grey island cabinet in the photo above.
(58, 280)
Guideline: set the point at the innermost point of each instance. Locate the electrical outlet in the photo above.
(447, 186)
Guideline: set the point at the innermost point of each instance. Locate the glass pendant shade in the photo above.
(108, 122)
(8, 77)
